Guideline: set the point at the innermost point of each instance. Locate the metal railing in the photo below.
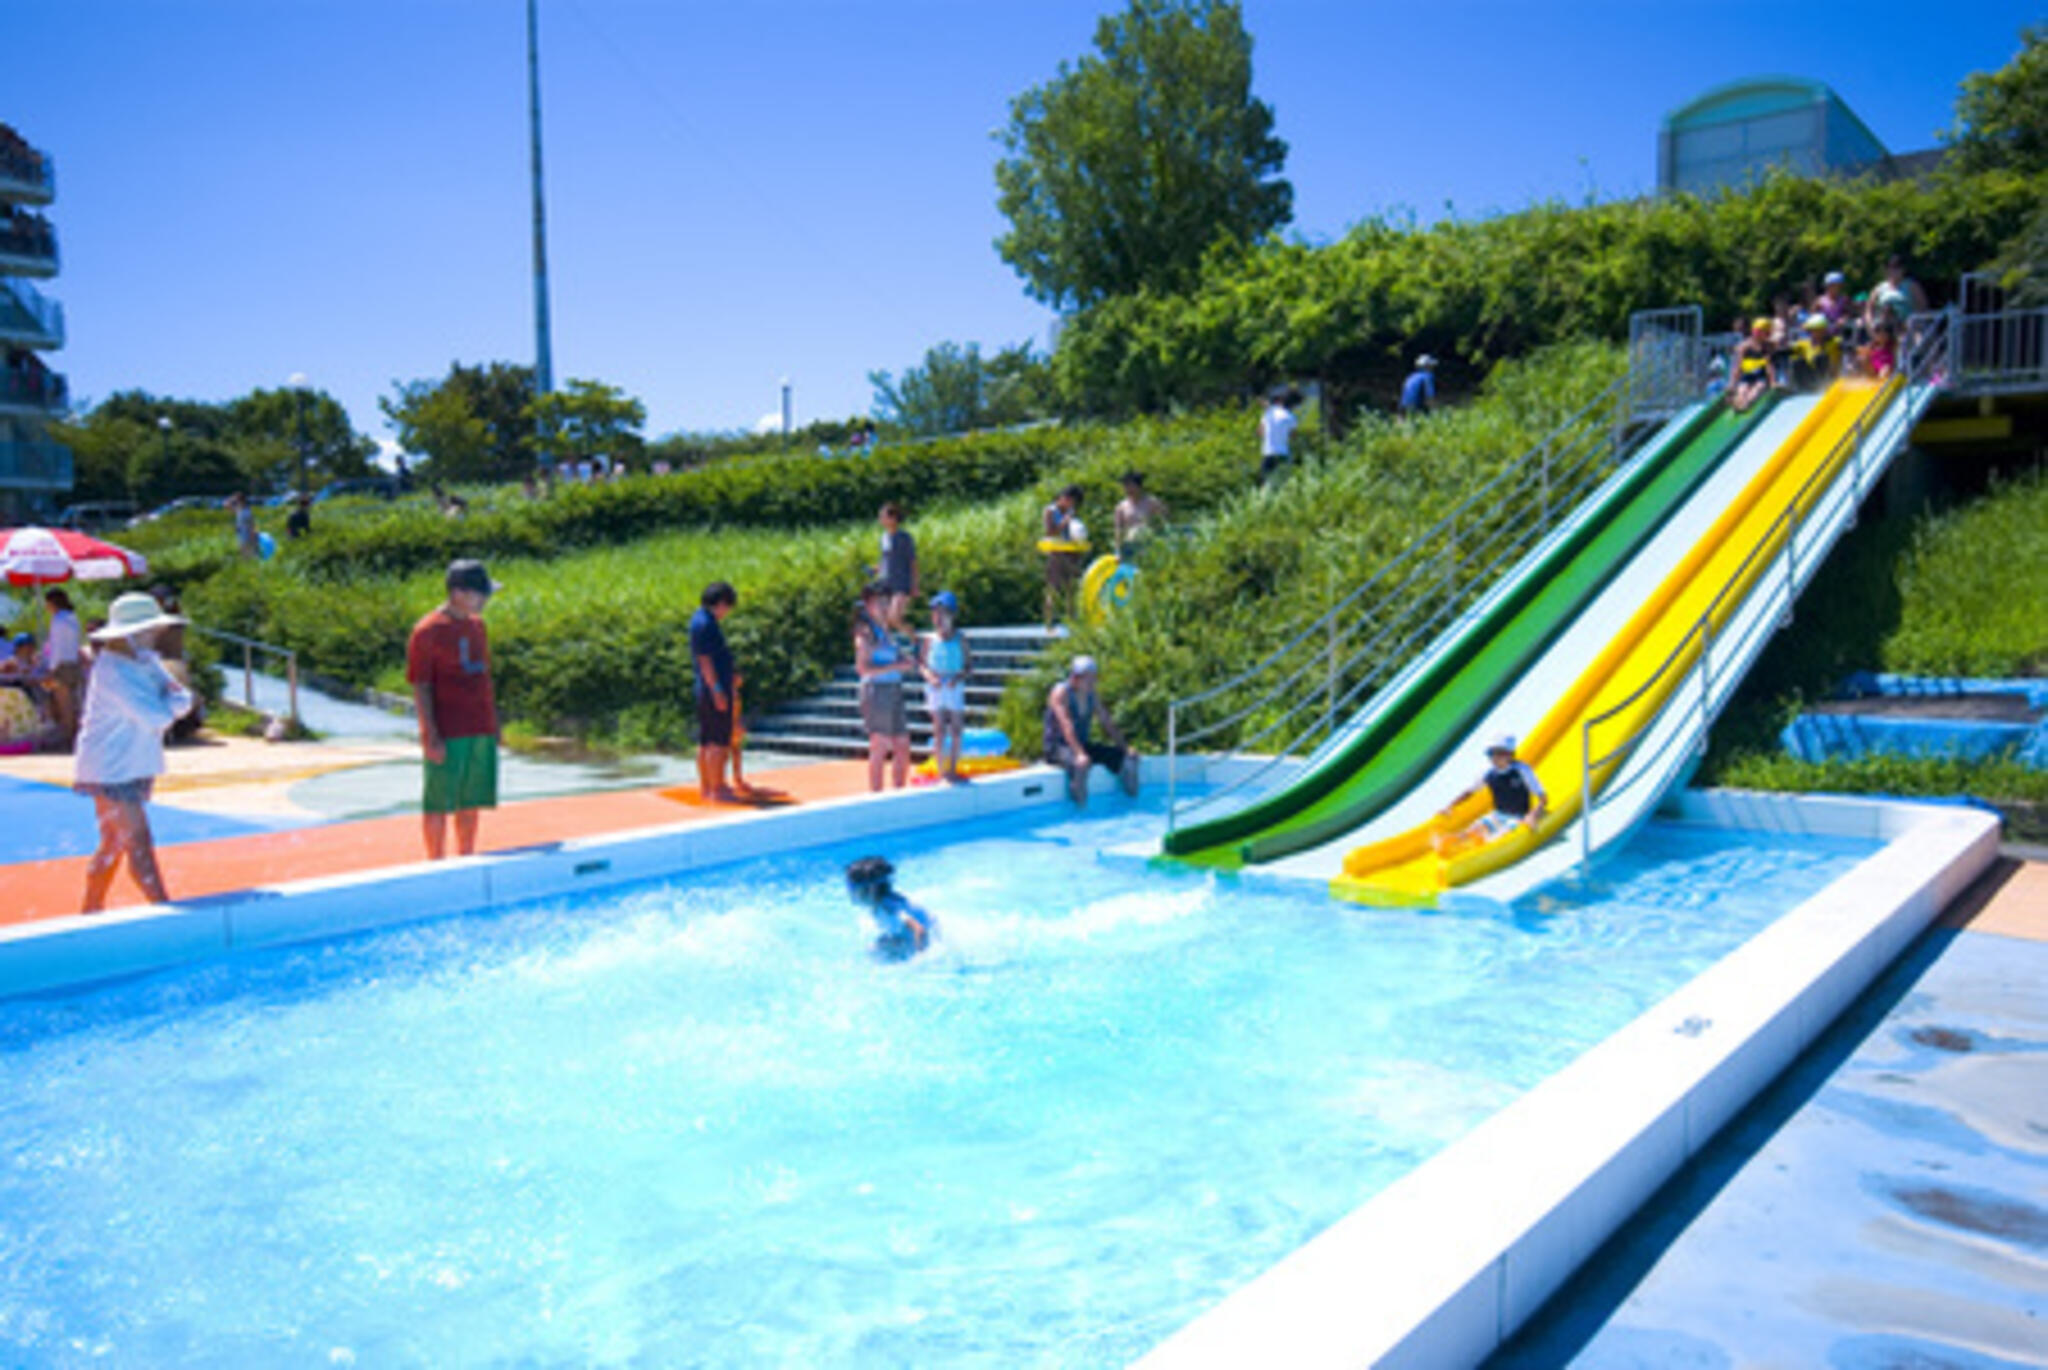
(28, 236)
(251, 649)
(36, 389)
(44, 316)
(34, 464)
(1290, 703)
(2001, 353)
(1928, 360)
(29, 170)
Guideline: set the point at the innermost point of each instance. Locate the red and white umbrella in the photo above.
(45, 556)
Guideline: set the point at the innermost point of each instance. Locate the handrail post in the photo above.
(1706, 677)
(1172, 760)
(1586, 793)
(249, 676)
(1330, 683)
(291, 677)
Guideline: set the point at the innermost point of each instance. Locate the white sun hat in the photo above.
(134, 613)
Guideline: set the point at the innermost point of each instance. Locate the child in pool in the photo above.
(903, 928)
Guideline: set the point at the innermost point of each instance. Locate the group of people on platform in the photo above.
(1805, 343)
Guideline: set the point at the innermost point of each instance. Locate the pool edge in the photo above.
(1440, 1268)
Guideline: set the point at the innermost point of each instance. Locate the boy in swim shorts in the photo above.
(1517, 795)
(448, 662)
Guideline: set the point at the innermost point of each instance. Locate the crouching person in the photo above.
(1071, 712)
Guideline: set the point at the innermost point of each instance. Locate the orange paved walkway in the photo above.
(2011, 900)
(41, 889)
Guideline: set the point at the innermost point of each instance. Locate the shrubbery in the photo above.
(1974, 589)
(1479, 290)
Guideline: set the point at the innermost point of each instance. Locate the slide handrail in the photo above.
(1314, 676)
(1928, 359)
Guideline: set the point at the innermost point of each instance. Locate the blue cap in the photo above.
(24, 639)
(946, 600)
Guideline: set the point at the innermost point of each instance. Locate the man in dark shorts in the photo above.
(1071, 712)
(898, 568)
(717, 687)
(448, 662)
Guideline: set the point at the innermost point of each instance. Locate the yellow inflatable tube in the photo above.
(1405, 870)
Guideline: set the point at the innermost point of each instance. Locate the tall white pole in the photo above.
(788, 410)
(543, 359)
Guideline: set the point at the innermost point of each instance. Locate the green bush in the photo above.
(1353, 311)
(1974, 589)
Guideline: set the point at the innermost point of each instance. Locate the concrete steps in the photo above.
(827, 722)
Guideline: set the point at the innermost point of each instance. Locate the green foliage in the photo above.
(2002, 116)
(1974, 588)
(122, 450)
(473, 424)
(954, 390)
(2000, 778)
(1481, 290)
(1126, 167)
(588, 419)
(1264, 563)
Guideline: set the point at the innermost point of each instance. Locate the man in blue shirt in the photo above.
(717, 690)
(1418, 392)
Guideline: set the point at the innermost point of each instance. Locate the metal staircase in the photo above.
(827, 723)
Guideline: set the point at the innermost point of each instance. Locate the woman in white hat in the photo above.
(129, 703)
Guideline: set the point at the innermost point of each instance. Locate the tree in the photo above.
(588, 419)
(2002, 116)
(264, 427)
(436, 417)
(955, 390)
(1124, 169)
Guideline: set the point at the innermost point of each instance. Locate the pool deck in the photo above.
(252, 781)
(1884, 1203)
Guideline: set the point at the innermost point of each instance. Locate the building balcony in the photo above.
(38, 392)
(34, 464)
(29, 318)
(27, 177)
(28, 245)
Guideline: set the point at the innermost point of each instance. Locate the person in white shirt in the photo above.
(64, 670)
(132, 702)
(1276, 431)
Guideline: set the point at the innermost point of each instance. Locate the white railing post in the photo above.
(249, 676)
(291, 676)
(1172, 761)
(1586, 793)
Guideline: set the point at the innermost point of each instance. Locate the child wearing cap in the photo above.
(1517, 795)
(1072, 710)
(946, 665)
(448, 662)
(131, 701)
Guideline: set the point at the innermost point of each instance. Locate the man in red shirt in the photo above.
(448, 662)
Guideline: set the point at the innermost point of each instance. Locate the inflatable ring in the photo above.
(971, 766)
(1107, 584)
(1054, 546)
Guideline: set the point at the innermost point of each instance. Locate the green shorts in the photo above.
(468, 779)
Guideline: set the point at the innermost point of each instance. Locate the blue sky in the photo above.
(744, 191)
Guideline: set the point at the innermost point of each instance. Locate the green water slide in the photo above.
(1406, 739)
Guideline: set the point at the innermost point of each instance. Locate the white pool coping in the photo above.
(1441, 1267)
(1436, 1270)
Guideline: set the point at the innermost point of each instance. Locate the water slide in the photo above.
(1394, 744)
(1632, 649)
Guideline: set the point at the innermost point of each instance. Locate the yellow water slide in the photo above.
(1406, 869)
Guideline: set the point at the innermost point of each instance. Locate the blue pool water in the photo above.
(694, 1124)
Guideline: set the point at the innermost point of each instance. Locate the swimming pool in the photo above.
(692, 1123)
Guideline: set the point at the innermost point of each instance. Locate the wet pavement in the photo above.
(1885, 1204)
